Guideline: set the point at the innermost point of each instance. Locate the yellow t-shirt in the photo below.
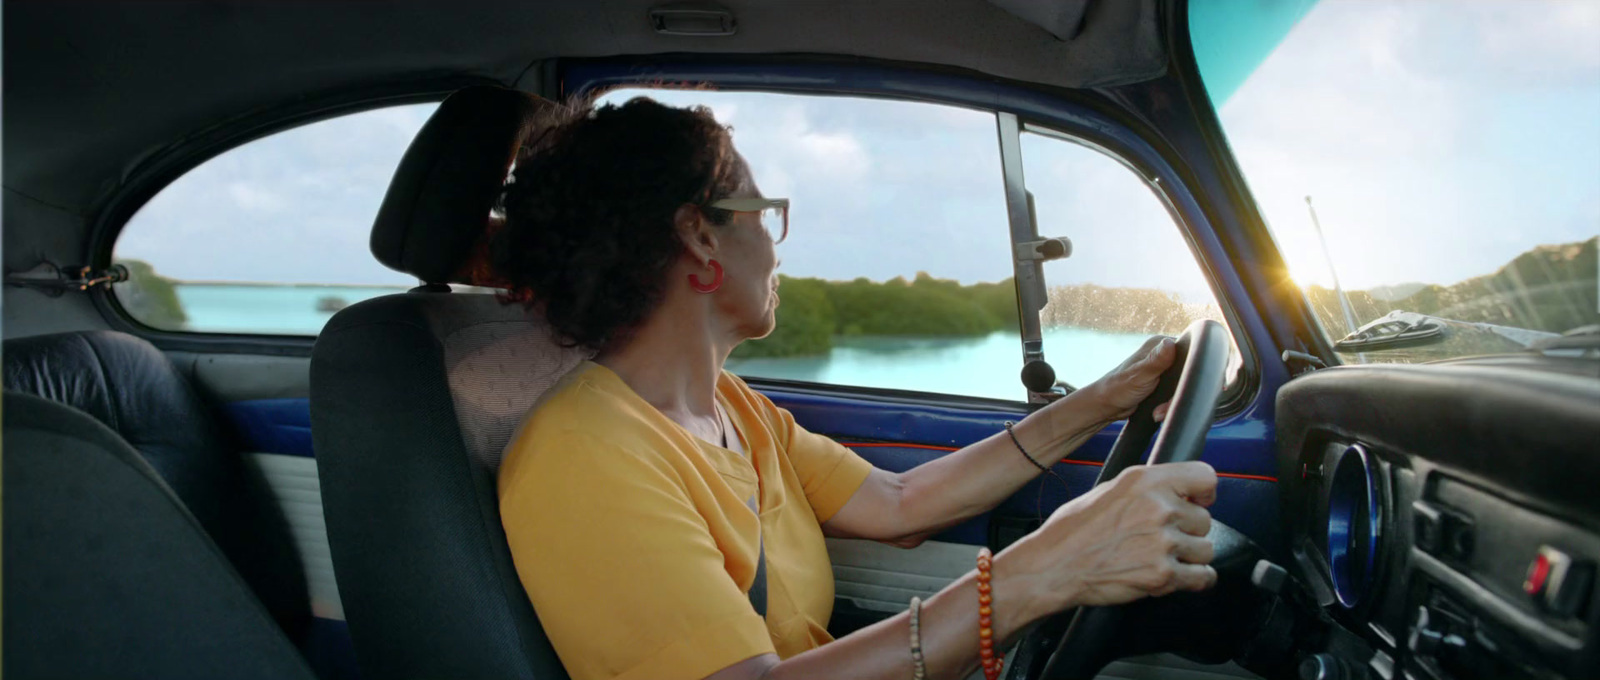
(634, 540)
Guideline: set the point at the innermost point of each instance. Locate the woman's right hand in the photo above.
(1141, 534)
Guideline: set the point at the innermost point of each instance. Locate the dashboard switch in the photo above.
(1442, 532)
(1437, 641)
(1428, 530)
(1547, 575)
(1269, 577)
(1538, 574)
(1560, 583)
(1460, 536)
(1382, 665)
(1568, 597)
(1424, 639)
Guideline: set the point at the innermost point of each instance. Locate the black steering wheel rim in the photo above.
(1193, 384)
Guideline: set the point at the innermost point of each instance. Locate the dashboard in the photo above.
(1443, 520)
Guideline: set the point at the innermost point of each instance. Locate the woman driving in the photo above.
(667, 521)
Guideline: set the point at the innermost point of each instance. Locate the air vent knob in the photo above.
(1324, 667)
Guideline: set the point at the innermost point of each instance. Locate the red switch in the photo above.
(1558, 582)
(1538, 575)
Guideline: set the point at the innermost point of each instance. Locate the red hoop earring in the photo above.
(716, 280)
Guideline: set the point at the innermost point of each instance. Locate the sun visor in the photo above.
(1062, 18)
(1120, 38)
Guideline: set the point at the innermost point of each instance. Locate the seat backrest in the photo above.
(132, 388)
(413, 397)
(107, 575)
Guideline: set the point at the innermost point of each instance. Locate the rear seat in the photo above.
(132, 388)
(107, 575)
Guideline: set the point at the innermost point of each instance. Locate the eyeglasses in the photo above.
(774, 213)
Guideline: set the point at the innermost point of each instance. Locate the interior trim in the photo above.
(883, 578)
(244, 377)
(1068, 461)
(297, 489)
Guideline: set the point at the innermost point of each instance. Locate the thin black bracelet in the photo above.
(1024, 451)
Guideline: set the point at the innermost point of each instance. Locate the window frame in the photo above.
(1235, 392)
(1083, 116)
(161, 169)
(1073, 115)
(898, 395)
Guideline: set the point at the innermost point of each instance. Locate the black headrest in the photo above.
(434, 216)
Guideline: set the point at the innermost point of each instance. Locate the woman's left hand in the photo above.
(1121, 390)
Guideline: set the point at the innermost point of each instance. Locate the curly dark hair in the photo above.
(589, 235)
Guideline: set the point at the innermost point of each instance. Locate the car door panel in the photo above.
(899, 435)
(277, 433)
(265, 399)
(874, 581)
(891, 434)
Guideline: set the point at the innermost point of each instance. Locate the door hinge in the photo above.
(53, 280)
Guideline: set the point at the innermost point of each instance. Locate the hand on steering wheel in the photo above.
(1140, 533)
(1125, 387)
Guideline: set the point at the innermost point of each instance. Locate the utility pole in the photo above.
(1349, 315)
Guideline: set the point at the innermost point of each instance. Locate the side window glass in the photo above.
(1131, 274)
(896, 273)
(1435, 192)
(270, 237)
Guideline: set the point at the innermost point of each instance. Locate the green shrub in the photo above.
(814, 310)
(805, 322)
(151, 298)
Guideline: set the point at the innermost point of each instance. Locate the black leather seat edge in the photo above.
(413, 397)
(131, 387)
(107, 575)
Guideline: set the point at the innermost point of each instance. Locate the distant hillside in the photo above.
(1397, 291)
(1121, 310)
(1549, 288)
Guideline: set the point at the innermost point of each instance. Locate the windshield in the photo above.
(1429, 169)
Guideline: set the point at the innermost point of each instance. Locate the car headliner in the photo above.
(94, 89)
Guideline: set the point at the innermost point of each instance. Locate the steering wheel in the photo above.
(1193, 384)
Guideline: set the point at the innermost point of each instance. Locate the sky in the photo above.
(294, 207)
(1439, 139)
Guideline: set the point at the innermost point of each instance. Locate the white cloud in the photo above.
(1439, 139)
(839, 155)
(1121, 232)
(880, 188)
(1449, 139)
(253, 197)
(1554, 42)
(784, 142)
(295, 207)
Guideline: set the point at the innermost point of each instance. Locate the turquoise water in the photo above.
(274, 310)
(984, 366)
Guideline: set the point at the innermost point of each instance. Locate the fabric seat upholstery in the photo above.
(129, 386)
(107, 575)
(413, 397)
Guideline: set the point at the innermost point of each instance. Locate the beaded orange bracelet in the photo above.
(991, 663)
